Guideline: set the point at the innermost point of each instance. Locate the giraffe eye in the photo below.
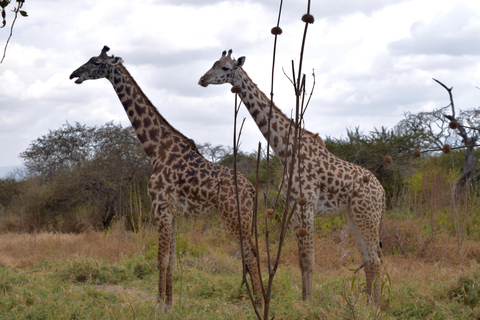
(225, 68)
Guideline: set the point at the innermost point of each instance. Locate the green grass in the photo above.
(208, 286)
(113, 275)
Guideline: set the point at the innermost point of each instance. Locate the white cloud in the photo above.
(455, 33)
(373, 61)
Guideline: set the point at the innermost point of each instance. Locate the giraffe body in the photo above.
(331, 186)
(183, 181)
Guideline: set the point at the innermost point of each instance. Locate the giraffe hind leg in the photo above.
(250, 259)
(369, 246)
(252, 269)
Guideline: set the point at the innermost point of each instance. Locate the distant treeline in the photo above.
(79, 176)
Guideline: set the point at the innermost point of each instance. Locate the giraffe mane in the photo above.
(187, 140)
(315, 136)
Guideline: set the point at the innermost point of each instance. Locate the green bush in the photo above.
(93, 271)
(467, 290)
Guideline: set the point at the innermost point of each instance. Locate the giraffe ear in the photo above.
(240, 61)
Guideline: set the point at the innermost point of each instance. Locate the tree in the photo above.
(66, 147)
(9, 190)
(246, 163)
(90, 167)
(436, 126)
(214, 153)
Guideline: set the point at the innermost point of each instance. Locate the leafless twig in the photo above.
(242, 249)
(15, 11)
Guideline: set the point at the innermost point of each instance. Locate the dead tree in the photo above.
(468, 131)
(435, 127)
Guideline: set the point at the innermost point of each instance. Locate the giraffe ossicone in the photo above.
(183, 181)
(331, 186)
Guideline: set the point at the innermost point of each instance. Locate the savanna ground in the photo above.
(430, 273)
(65, 252)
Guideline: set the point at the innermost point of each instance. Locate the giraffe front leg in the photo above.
(171, 266)
(164, 229)
(162, 278)
(304, 231)
(307, 262)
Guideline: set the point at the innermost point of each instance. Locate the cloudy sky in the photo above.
(373, 59)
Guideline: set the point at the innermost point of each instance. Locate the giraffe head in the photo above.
(97, 67)
(223, 70)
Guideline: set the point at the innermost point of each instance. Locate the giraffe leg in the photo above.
(171, 266)
(307, 262)
(368, 244)
(164, 229)
(306, 253)
(372, 265)
(227, 206)
(249, 255)
(251, 262)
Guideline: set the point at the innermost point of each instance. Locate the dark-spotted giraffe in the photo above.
(330, 185)
(183, 181)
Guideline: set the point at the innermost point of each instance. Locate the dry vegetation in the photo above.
(431, 244)
(53, 275)
(22, 250)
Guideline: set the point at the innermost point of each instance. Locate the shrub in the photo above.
(467, 290)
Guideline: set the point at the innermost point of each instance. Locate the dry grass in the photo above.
(334, 247)
(21, 250)
(432, 256)
(208, 272)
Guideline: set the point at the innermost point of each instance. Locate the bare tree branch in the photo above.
(16, 11)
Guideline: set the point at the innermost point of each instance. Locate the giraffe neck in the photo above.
(155, 134)
(281, 127)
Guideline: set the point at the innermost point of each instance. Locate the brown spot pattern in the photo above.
(183, 182)
(326, 181)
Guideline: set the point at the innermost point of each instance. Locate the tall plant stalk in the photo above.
(295, 130)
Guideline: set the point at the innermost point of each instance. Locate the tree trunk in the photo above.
(467, 168)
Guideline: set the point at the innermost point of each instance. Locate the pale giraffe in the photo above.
(330, 185)
(183, 181)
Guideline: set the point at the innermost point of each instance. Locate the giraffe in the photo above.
(183, 182)
(330, 186)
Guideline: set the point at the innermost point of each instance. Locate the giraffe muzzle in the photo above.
(76, 74)
(202, 82)
(78, 81)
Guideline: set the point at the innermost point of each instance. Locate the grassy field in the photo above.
(94, 275)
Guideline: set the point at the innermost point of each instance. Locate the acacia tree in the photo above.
(214, 153)
(64, 148)
(9, 190)
(92, 167)
(436, 127)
